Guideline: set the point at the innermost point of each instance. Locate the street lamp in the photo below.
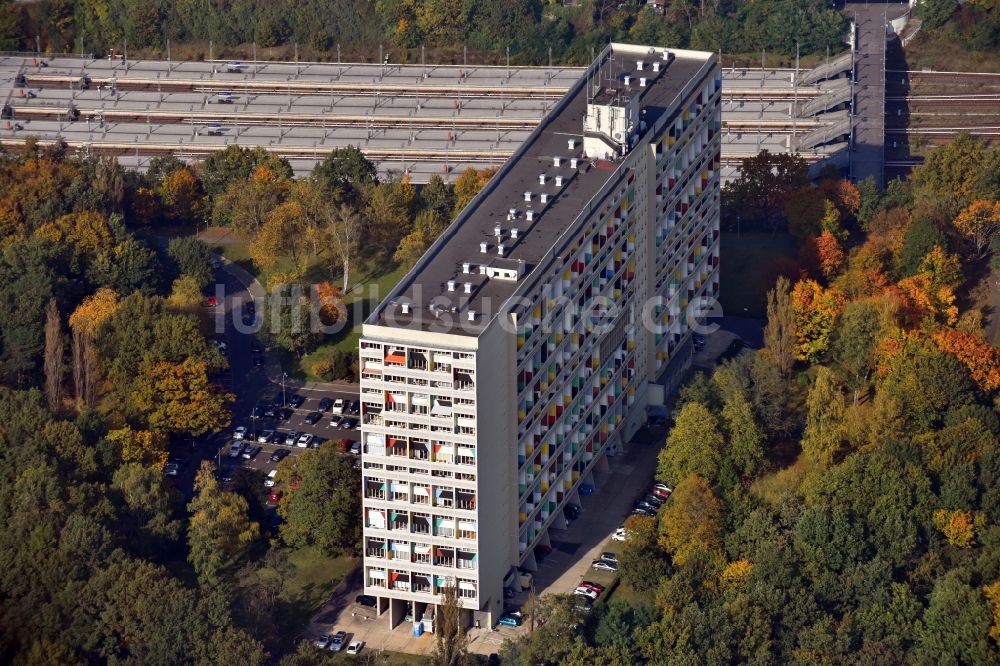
(253, 420)
(284, 375)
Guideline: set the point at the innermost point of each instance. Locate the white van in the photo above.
(269, 481)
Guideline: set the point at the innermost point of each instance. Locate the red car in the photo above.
(211, 301)
(345, 445)
(592, 586)
(275, 496)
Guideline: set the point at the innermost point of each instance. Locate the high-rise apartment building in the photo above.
(515, 356)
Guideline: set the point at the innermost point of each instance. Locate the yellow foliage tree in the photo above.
(690, 521)
(980, 223)
(735, 573)
(177, 397)
(957, 526)
(180, 195)
(185, 295)
(87, 231)
(94, 310)
(146, 447)
(993, 594)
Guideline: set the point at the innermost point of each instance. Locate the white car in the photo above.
(603, 565)
(269, 479)
(662, 487)
(240, 432)
(355, 647)
(304, 440)
(619, 535)
(338, 640)
(586, 592)
(235, 449)
(265, 436)
(338, 406)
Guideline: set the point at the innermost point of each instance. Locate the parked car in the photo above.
(235, 449)
(335, 421)
(251, 451)
(338, 406)
(356, 448)
(304, 440)
(583, 604)
(283, 413)
(619, 535)
(313, 417)
(366, 600)
(171, 469)
(349, 423)
(269, 480)
(646, 506)
(586, 592)
(270, 412)
(240, 432)
(596, 587)
(275, 497)
(604, 565)
(354, 408)
(510, 620)
(211, 301)
(655, 500)
(322, 642)
(337, 642)
(325, 404)
(291, 437)
(646, 513)
(609, 557)
(258, 412)
(265, 436)
(354, 647)
(659, 492)
(279, 455)
(295, 400)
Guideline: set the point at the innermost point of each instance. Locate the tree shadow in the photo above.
(897, 112)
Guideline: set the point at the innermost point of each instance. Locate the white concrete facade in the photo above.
(473, 444)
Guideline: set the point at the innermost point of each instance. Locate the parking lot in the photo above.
(321, 431)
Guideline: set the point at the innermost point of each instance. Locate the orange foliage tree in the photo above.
(830, 254)
(331, 305)
(980, 357)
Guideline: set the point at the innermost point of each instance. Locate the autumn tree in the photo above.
(245, 205)
(185, 295)
(745, 445)
(53, 363)
(144, 447)
(386, 216)
(815, 312)
(824, 433)
(966, 168)
(283, 234)
(690, 521)
(84, 322)
(642, 561)
(694, 446)
(450, 640)
(178, 397)
(220, 532)
(779, 333)
(179, 194)
(979, 222)
(469, 184)
(980, 358)
(830, 254)
(426, 229)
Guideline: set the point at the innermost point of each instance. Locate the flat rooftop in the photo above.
(429, 303)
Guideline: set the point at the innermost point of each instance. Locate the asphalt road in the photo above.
(251, 386)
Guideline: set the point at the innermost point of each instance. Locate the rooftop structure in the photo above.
(523, 213)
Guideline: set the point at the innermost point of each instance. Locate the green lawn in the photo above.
(749, 263)
(305, 578)
(362, 298)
